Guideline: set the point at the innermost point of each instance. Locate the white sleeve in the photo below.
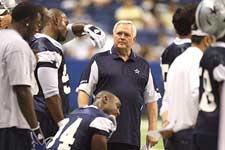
(219, 73)
(165, 99)
(165, 104)
(48, 78)
(90, 85)
(19, 68)
(51, 57)
(104, 124)
(150, 95)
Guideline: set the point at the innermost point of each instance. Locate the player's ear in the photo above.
(212, 39)
(26, 22)
(208, 40)
(105, 99)
(55, 19)
(134, 40)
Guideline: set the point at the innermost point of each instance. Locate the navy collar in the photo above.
(115, 55)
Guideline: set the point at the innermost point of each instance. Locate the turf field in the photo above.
(144, 127)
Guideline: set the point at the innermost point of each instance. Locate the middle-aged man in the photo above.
(183, 19)
(128, 76)
(90, 126)
(17, 63)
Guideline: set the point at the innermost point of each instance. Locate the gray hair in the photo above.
(134, 30)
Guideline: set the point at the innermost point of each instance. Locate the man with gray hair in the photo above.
(128, 76)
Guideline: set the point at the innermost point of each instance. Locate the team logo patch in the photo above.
(137, 71)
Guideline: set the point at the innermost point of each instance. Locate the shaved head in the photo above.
(53, 12)
(107, 102)
(104, 93)
(57, 23)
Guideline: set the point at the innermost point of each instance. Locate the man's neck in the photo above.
(48, 30)
(185, 36)
(19, 29)
(202, 47)
(124, 54)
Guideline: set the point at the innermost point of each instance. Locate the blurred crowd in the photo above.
(153, 19)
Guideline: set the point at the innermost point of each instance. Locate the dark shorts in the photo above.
(182, 140)
(48, 127)
(122, 146)
(166, 144)
(205, 142)
(15, 139)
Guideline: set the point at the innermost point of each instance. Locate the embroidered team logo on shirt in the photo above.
(137, 71)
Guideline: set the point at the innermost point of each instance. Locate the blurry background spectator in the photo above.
(102, 12)
(79, 48)
(130, 11)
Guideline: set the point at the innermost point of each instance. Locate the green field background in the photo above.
(144, 127)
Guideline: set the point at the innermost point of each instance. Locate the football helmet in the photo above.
(210, 17)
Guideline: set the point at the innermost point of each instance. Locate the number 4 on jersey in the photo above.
(67, 137)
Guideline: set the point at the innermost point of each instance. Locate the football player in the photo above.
(182, 93)
(52, 90)
(17, 117)
(88, 128)
(183, 19)
(210, 17)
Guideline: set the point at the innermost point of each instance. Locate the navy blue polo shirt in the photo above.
(131, 81)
